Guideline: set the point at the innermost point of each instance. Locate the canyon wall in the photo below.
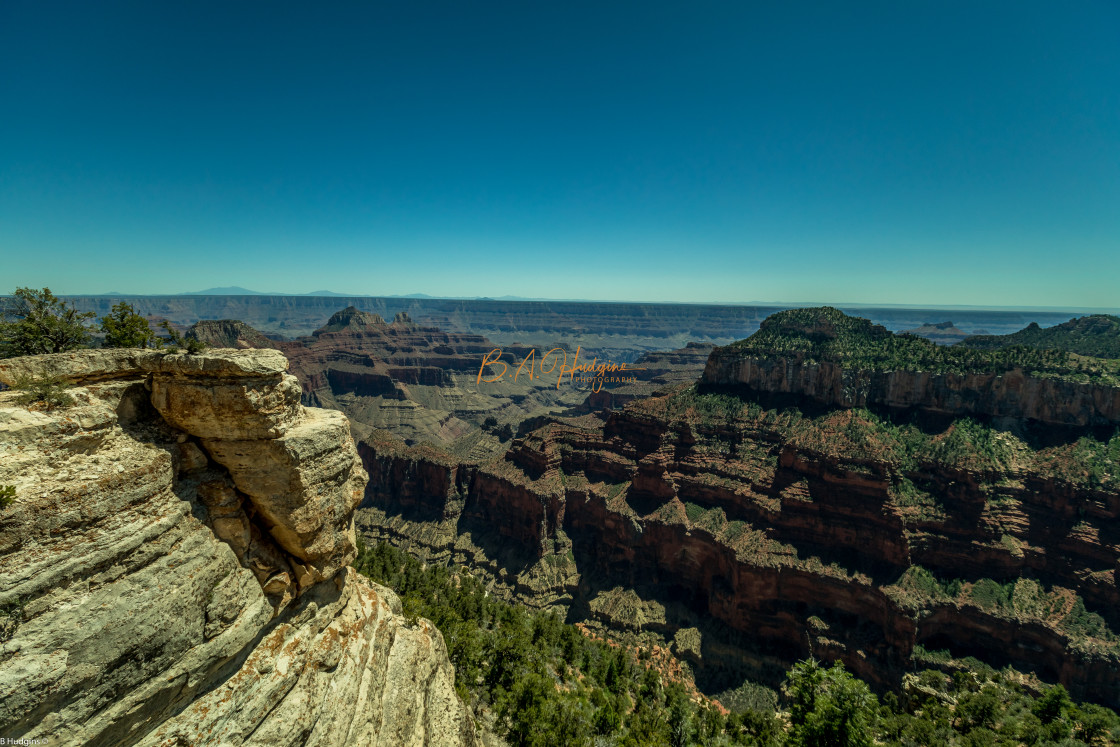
(1014, 394)
(174, 568)
(643, 521)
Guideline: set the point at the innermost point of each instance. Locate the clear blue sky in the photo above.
(887, 152)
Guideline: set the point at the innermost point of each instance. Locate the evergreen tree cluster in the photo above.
(33, 322)
(545, 684)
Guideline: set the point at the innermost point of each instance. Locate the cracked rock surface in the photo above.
(174, 567)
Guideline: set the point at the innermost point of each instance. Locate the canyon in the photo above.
(892, 524)
(737, 510)
(422, 383)
(176, 565)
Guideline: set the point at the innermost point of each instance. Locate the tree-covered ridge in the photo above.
(828, 335)
(543, 683)
(1097, 335)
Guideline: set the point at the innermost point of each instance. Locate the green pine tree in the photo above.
(36, 321)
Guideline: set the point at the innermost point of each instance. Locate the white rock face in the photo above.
(150, 595)
(343, 671)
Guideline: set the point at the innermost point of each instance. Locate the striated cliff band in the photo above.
(174, 567)
(961, 512)
(831, 359)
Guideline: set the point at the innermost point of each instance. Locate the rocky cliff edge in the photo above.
(174, 566)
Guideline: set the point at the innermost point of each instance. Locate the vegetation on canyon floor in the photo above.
(828, 335)
(545, 683)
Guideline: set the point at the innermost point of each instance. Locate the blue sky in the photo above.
(887, 152)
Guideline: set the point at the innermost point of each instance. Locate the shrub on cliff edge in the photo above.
(124, 328)
(33, 322)
(190, 345)
(46, 393)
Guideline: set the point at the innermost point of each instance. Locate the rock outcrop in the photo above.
(1016, 394)
(174, 567)
(228, 333)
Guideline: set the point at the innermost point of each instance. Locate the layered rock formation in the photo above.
(654, 372)
(1015, 394)
(775, 549)
(825, 357)
(174, 566)
(779, 533)
(229, 333)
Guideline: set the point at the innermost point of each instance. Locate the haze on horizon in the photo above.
(891, 153)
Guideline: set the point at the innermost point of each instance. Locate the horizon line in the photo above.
(518, 299)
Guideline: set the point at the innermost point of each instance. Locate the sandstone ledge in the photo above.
(120, 363)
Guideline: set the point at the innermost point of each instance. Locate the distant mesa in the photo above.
(402, 317)
(350, 318)
(236, 290)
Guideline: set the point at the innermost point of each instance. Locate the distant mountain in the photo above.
(1097, 335)
(229, 290)
(330, 293)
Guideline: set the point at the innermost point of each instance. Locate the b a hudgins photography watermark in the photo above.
(4, 741)
(593, 374)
